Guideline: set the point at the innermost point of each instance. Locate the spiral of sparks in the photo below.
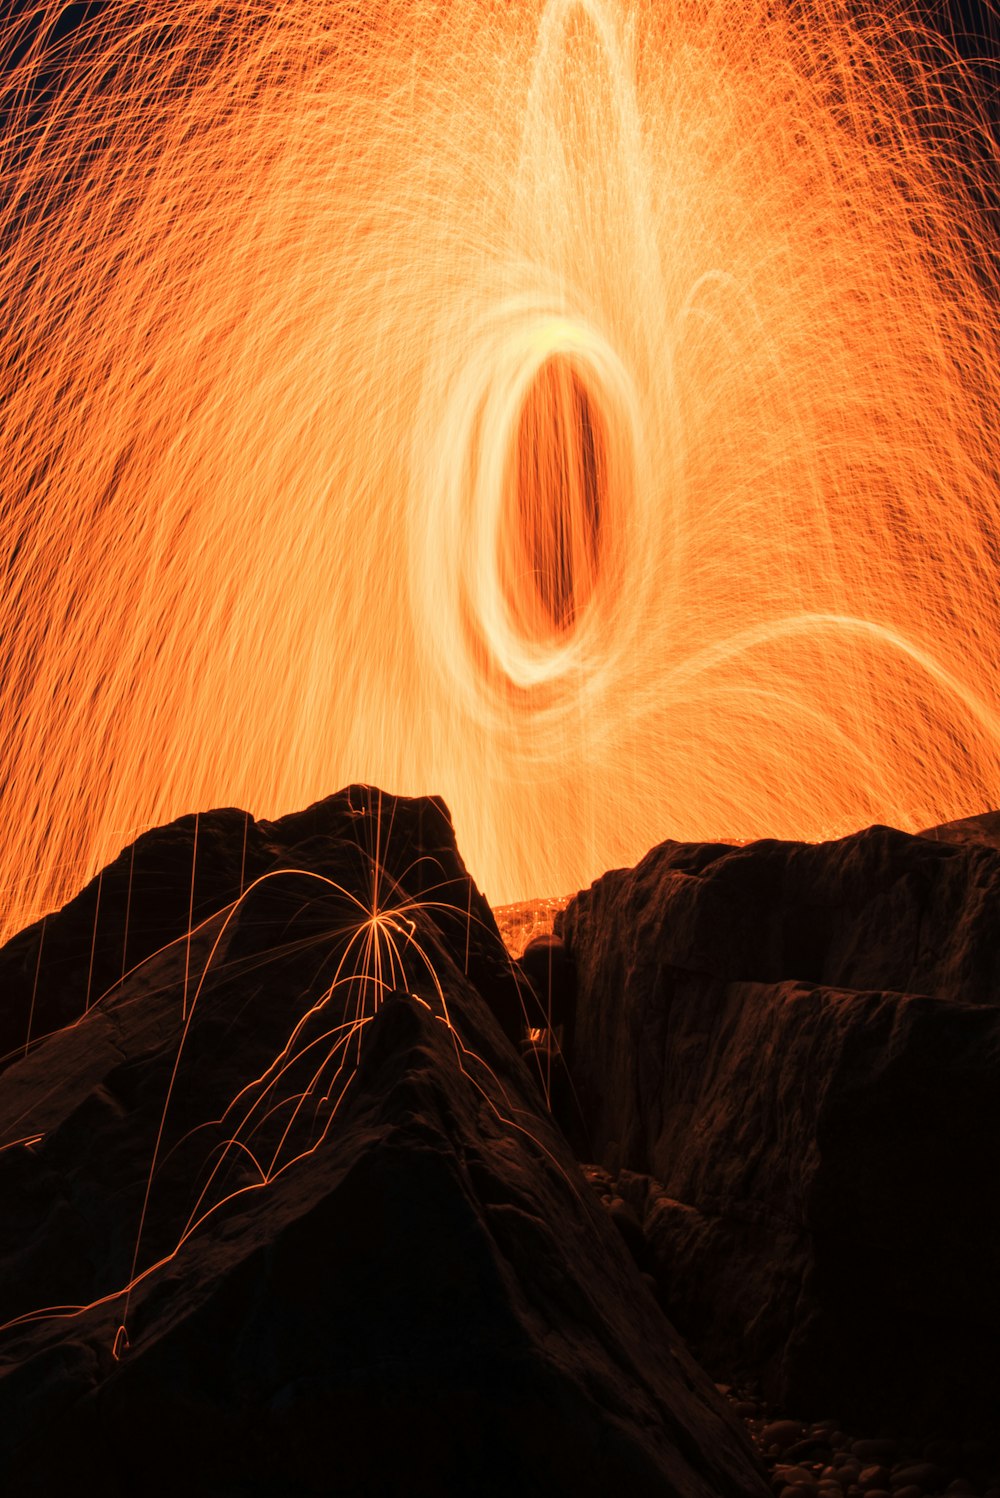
(584, 410)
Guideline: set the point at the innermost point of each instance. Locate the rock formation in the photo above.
(284, 1212)
(789, 1055)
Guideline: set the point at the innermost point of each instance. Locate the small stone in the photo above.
(746, 1409)
(722, 1388)
(812, 1448)
(910, 1492)
(798, 1490)
(873, 1479)
(831, 1474)
(781, 1433)
(785, 1476)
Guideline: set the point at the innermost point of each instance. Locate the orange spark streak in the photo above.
(585, 410)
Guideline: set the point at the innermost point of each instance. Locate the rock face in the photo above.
(283, 1211)
(178, 876)
(792, 1055)
(982, 829)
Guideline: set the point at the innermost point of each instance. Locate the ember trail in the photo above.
(583, 410)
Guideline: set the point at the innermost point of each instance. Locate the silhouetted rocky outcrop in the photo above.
(789, 1056)
(363, 1260)
(178, 876)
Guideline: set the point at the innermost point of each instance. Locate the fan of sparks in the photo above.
(583, 410)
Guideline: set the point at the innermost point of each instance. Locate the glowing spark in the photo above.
(585, 410)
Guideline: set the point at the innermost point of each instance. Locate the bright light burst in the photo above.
(583, 410)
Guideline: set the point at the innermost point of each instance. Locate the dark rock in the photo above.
(549, 1009)
(547, 965)
(601, 1181)
(189, 871)
(984, 828)
(367, 1262)
(785, 1475)
(877, 910)
(781, 1433)
(814, 1448)
(802, 1044)
(628, 1224)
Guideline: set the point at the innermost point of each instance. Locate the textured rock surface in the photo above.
(982, 829)
(802, 1046)
(182, 874)
(424, 1298)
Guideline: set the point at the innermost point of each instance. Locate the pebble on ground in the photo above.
(818, 1459)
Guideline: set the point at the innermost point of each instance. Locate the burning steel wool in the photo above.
(584, 410)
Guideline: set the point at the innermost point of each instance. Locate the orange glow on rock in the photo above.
(585, 411)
